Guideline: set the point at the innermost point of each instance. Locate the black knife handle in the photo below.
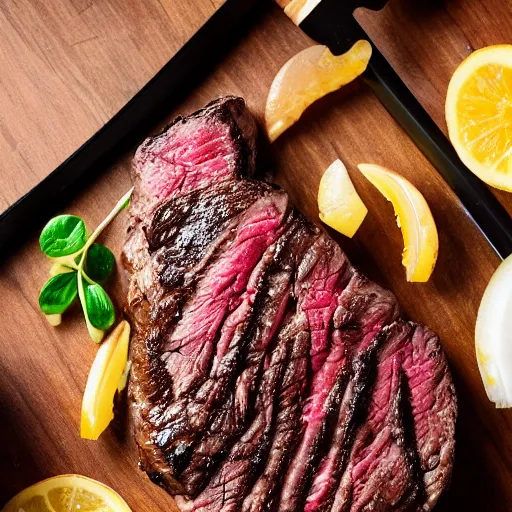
(486, 211)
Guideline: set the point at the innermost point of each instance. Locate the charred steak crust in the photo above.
(268, 374)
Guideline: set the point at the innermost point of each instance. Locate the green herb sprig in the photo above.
(80, 265)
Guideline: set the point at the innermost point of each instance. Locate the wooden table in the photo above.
(68, 65)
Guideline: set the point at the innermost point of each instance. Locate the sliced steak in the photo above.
(186, 230)
(232, 415)
(184, 157)
(317, 289)
(364, 309)
(189, 345)
(228, 487)
(265, 373)
(370, 309)
(265, 493)
(200, 340)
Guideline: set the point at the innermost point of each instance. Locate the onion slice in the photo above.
(493, 336)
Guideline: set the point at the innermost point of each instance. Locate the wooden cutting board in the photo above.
(68, 65)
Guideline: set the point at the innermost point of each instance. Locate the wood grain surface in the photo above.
(68, 65)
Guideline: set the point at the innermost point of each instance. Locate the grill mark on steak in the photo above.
(352, 337)
(322, 272)
(189, 346)
(322, 285)
(228, 286)
(264, 494)
(191, 199)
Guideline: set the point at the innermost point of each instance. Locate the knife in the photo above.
(331, 22)
(150, 105)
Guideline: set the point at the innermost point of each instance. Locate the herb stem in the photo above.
(97, 232)
(87, 278)
(95, 334)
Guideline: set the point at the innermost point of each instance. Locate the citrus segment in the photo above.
(421, 242)
(104, 378)
(67, 492)
(339, 204)
(308, 76)
(479, 114)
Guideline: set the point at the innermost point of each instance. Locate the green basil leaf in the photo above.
(100, 309)
(100, 262)
(63, 235)
(58, 293)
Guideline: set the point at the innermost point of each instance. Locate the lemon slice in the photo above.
(105, 376)
(421, 242)
(308, 76)
(67, 492)
(479, 114)
(340, 206)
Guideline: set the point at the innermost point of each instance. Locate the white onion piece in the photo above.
(493, 336)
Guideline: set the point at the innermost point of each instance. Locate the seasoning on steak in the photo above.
(268, 374)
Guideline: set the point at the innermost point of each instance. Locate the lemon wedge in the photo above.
(493, 336)
(67, 492)
(308, 76)
(106, 373)
(421, 242)
(479, 114)
(339, 204)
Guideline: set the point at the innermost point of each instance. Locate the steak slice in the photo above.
(434, 410)
(214, 144)
(152, 306)
(182, 234)
(228, 487)
(381, 474)
(364, 309)
(197, 342)
(322, 275)
(265, 373)
(188, 346)
(264, 495)
(370, 309)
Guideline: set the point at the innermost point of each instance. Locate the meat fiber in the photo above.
(268, 374)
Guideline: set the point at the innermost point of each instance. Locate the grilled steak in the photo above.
(268, 374)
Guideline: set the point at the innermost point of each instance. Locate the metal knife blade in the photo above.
(331, 22)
